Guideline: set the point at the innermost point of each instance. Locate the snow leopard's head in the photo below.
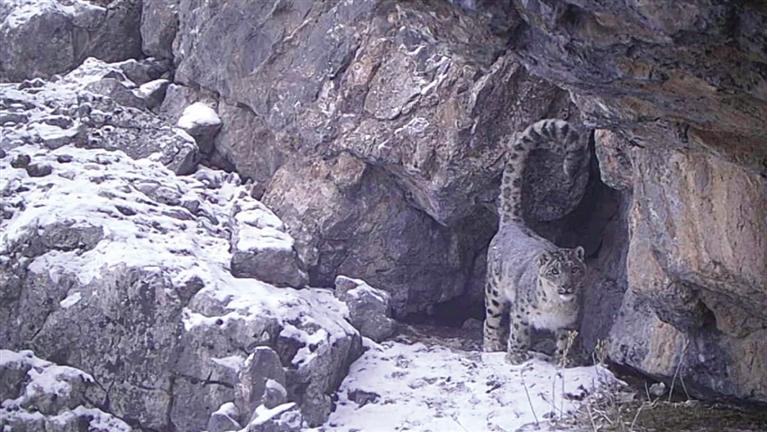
(562, 273)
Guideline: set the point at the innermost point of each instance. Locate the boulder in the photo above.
(40, 38)
(224, 419)
(614, 154)
(262, 249)
(369, 308)
(202, 123)
(284, 418)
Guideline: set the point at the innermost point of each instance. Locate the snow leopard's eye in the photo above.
(575, 270)
(554, 272)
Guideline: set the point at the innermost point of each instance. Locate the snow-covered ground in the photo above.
(413, 386)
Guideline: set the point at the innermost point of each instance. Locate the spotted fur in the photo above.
(555, 135)
(529, 278)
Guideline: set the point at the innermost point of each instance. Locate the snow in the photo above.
(260, 229)
(198, 114)
(264, 414)
(15, 360)
(228, 409)
(233, 362)
(413, 386)
(70, 300)
(97, 420)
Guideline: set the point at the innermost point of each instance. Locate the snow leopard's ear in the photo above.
(544, 258)
(580, 253)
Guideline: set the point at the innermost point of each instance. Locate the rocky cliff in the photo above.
(366, 138)
(681, 88)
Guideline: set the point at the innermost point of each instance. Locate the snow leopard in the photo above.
(535, 282)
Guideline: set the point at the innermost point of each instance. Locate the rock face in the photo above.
(680, 89)
(416, 100)
(162, 326)
(696, 260)
(39, 38)
(349, 218)
(422, 89)
(687, 74)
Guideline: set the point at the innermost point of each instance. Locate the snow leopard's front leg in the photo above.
(564, 338)
(494, 333)
(519, 337)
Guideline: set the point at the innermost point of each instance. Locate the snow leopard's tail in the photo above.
(552, 134)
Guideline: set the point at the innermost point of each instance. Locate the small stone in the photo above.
(127, 211)
(65, 158)
(275, 394)
(21, 161)
(224, 419)
(153, 92)
(2, 153)
(39, 170)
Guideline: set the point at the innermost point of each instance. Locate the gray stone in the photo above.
(247, 145)
(178, 97)
(275, 394)
(58, 37)
(159, 23)
(38, 170)
(224, 419)
(153, 92)
(202, 123)
(262, 366)
(682, 318)
(21, 161)
(683, 85)
(369, 308)
(40, 395)
(262, 249)
(79, 109)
